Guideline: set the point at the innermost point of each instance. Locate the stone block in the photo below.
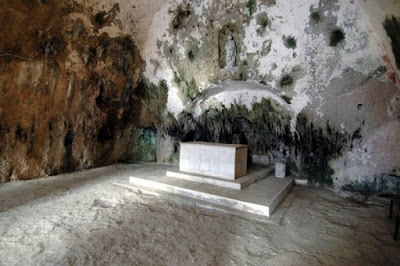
(205, 166)
(227, 161)
(214, 166)
(185, 163)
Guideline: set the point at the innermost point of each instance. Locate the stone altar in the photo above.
(228, 161)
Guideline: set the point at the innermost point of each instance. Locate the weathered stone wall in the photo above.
(316, 84)
(68, 97)
(332, 62)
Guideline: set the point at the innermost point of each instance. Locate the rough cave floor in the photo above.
(83, 218)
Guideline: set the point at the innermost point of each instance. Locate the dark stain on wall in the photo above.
(103, 18)
(266, 130)
(69, 163)
(181, 14)
(356, 136)
(336, 37)
(392, 27)
(383, 183)
(286, 80)
(318, 146)
(315, 16)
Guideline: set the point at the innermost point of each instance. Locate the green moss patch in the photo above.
(383, 183)
(291, 166)
(146, 145)
(266, 130)
(251, 6)
(177, 78)
(263, 22)
(154, 99)
(191, 89)
(286, 80)
(318, 147)
(315, 16)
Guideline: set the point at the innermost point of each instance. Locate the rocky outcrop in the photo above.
(68, 97)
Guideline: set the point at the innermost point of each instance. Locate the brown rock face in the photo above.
(67, 93)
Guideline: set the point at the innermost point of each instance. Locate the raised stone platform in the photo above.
(228, 161)
(259, 198)
(255, 174)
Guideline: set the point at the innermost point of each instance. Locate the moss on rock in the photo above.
(286, 80)
(266, 130)
(191, 89)
(317, 148)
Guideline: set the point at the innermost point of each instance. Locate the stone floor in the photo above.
(83, 218)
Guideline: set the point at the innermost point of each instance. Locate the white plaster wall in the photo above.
(363, 50)
(365, 44)
(376, 12)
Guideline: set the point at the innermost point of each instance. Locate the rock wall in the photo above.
(316, 84)
(68, 89)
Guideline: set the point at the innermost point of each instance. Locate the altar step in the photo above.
(260, 198)
(255, 173)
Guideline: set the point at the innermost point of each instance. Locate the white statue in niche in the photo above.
(230, 48)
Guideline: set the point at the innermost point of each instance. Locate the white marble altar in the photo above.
(228, 161)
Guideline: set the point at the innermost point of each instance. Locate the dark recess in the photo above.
(286, 80)
(21, 134)
(356, 135)
(291, 42)
(69, 165)
(100, 18)
(287, 99)
(336, 37)
(107, 131)
(191, 56)
(182, 13)
(50, 46)
(392, 27)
